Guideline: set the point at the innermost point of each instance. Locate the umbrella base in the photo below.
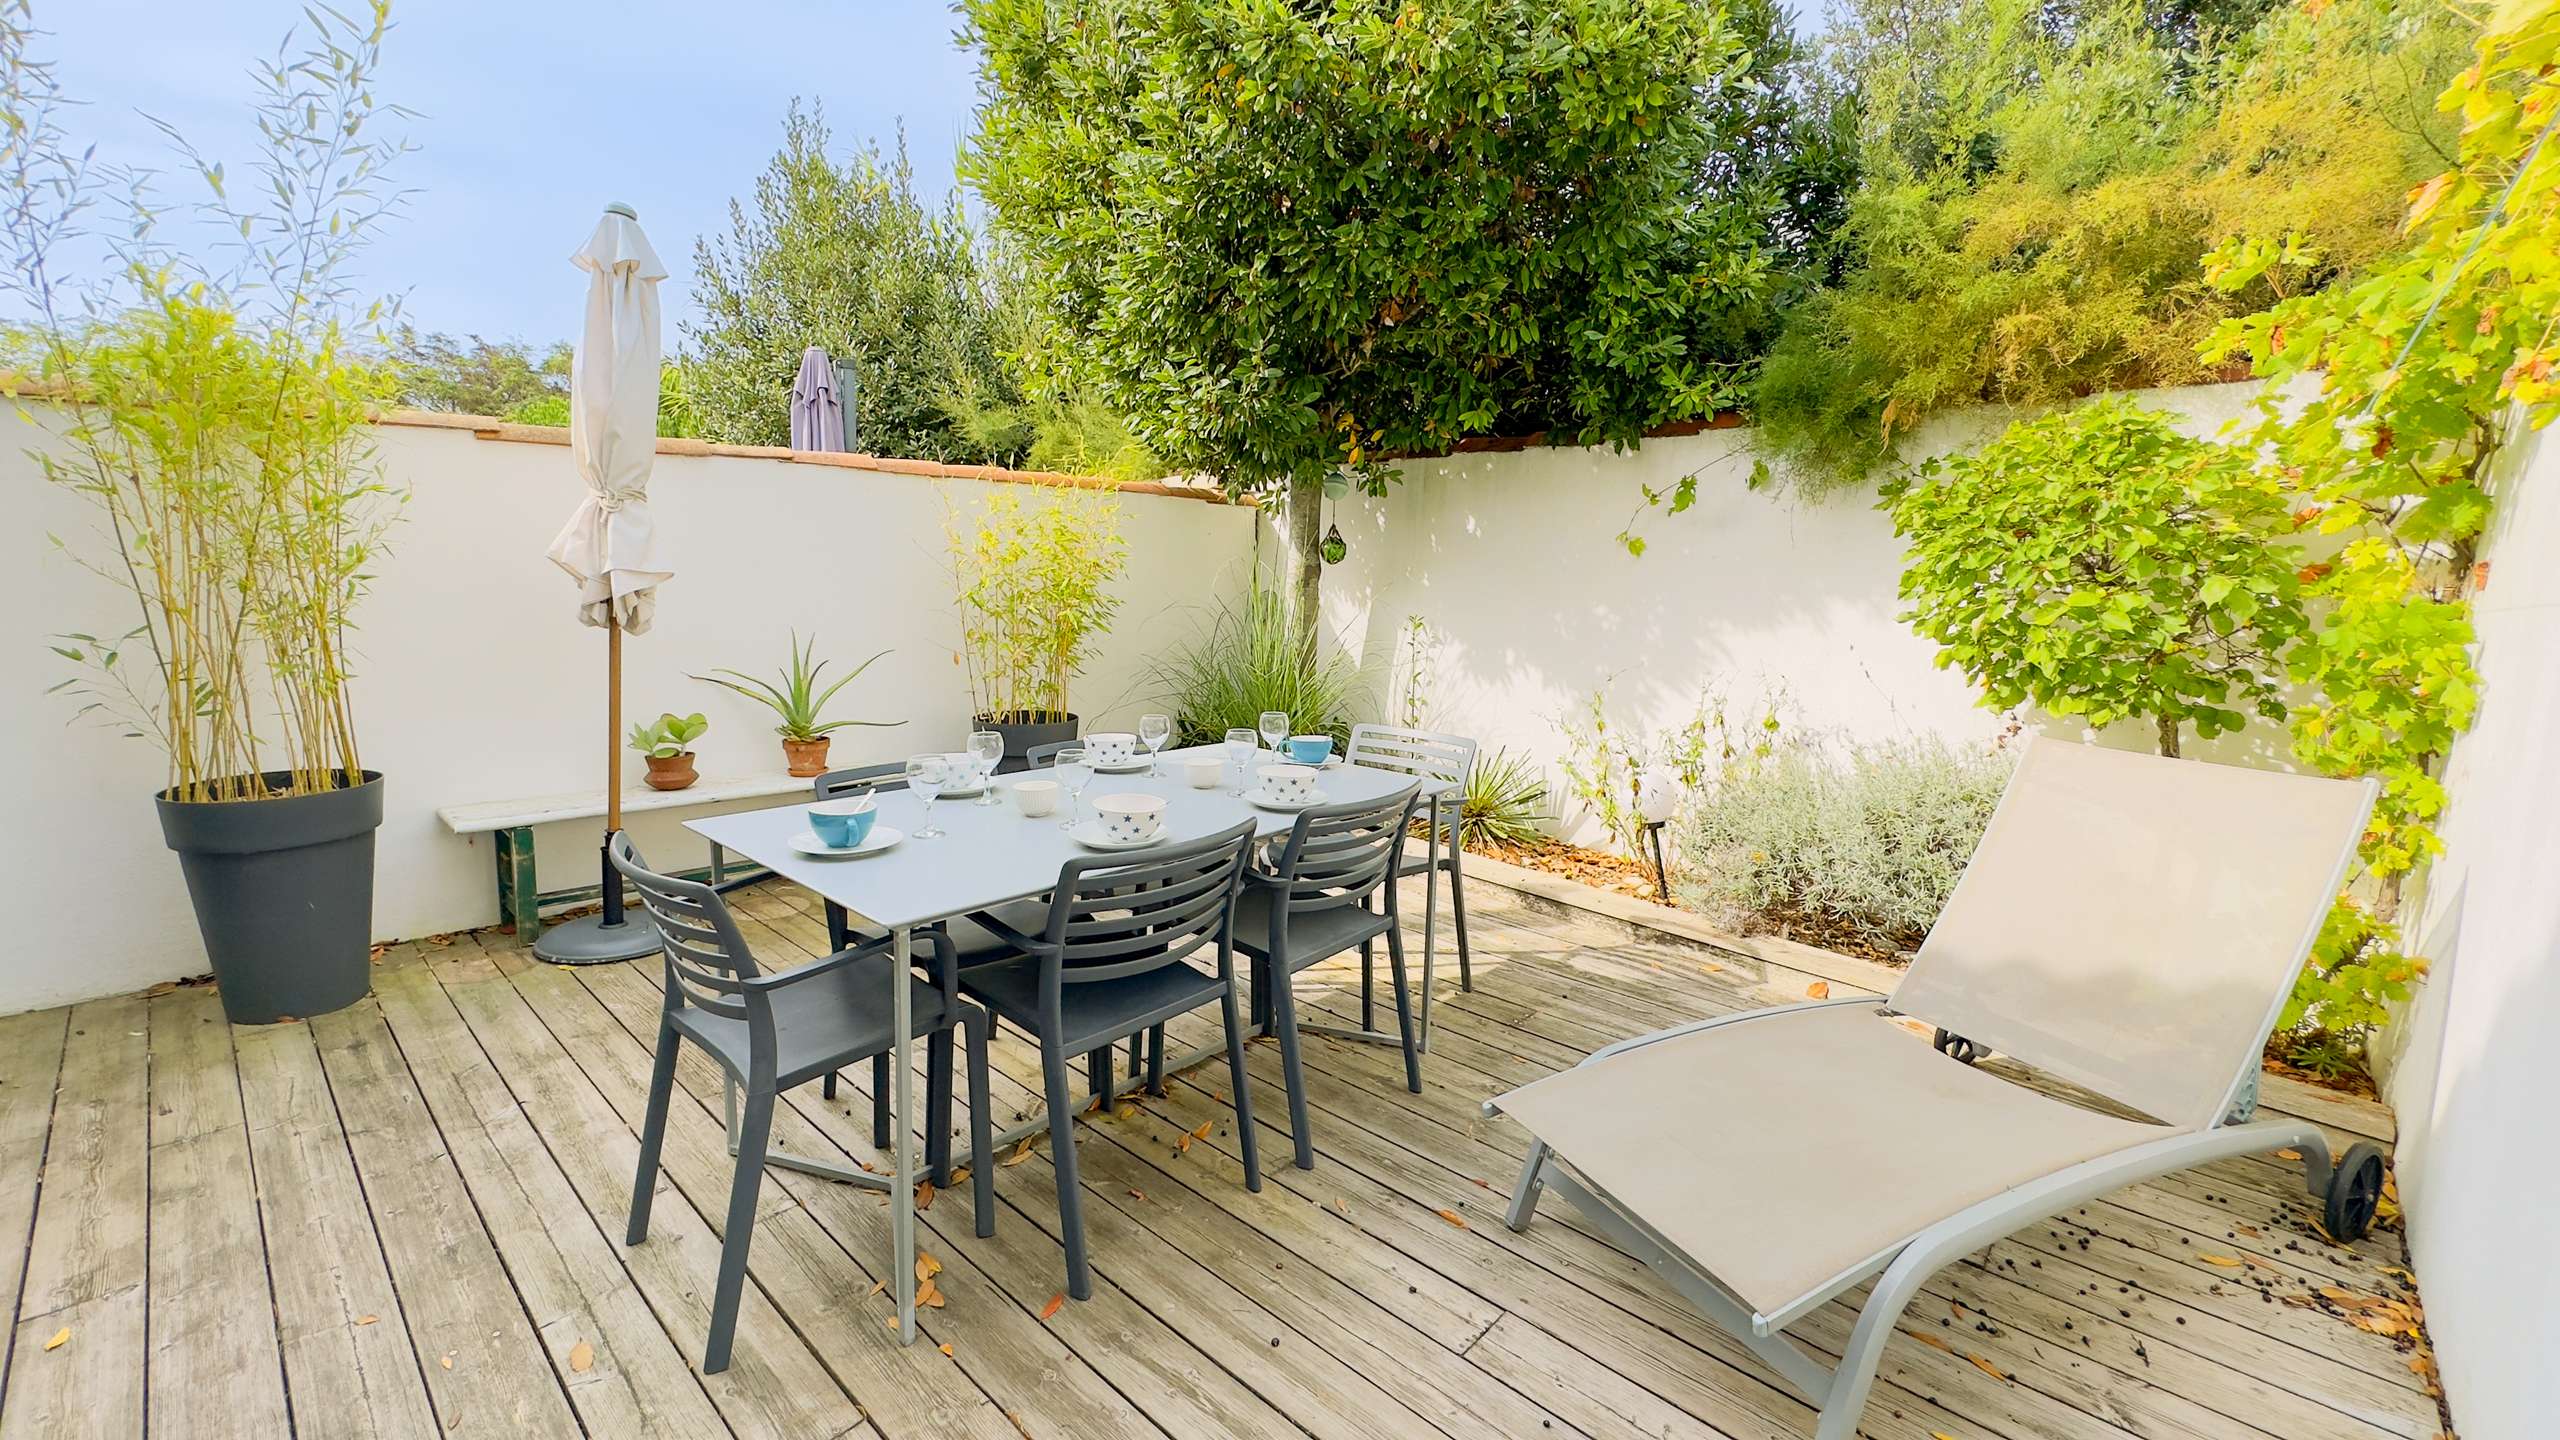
(589, 941)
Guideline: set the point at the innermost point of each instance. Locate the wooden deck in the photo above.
(405, 1220)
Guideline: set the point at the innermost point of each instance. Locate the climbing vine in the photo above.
(2417, 375)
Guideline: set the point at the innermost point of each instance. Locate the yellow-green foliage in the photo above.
(2074, 260)
(1034, 581)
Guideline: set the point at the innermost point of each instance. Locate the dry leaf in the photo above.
(447, 1361)
(582, 1357)
(1986, 1367)
(2288, 1154)
(1020, 1153)
(1712, 967)
(944, 1347)
(2225, 1261)
(1932, 1341)
(926, 1266)
(879, 1285)
(367, 1319)
(1054, 1302)
(924, 1195)
(1819, 990)
(59, 1339)
(1453, 1217)
(929, 1295)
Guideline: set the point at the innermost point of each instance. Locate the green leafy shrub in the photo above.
(669, 735)
(1871, 845)
(1034, 580)
(1609, 766)
(2100, 564)
(1247, 660)
(1506, 799)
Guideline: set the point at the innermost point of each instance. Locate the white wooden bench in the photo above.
(511, 822)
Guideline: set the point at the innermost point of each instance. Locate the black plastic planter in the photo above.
(1023, 729)
(283, 891)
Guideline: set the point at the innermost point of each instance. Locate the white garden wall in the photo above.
(1513, 560)
(479, 684)
(2478, 1072)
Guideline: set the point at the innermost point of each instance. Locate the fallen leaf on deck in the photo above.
(929, 1295)
(368, 1319)
(447, 1360)
(924, 1195)
(1712, 967)
(2288, 1154)
(944, 1347)
(1128, 1112)
(879, 1285)
(1020, 1153)
(1819, 990)
(2225, 1261)
(1054, 1302)
(1986, 1367)
(1932, 1341)
(926, 1266)
(1137, 1194)
(60, 1338)
(582, 1357)
(1453, 1217)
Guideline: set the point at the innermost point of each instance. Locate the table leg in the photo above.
(719, 863)
(902, 1186)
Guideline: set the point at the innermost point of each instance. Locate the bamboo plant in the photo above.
(214, 419)
(1034, 585)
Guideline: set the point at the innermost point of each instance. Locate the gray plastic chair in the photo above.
(771, 1032)
(1313, 903)
(835, 785)
(1042, 757)
(1441, 762)
(1112, 959)
(2129, 924)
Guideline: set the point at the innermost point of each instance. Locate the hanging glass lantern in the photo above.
(1334, 547)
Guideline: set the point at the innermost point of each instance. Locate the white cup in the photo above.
(1131, 819)
(1036, 798)
(1111, 749)
(1204, 771)
(1289, 784)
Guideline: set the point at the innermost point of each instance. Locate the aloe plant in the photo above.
(794, 696)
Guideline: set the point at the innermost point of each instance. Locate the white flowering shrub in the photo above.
(1869, 845)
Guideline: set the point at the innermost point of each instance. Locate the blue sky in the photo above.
(533, 114)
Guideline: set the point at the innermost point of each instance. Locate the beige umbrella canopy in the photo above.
(610, 545)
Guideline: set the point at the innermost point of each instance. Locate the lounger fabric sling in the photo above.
(2128, 923)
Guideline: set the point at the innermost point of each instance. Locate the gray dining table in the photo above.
(990, 854)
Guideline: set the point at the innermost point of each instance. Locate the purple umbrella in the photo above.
(817, 412)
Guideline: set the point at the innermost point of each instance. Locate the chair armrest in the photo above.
(988, 921)
(783, 979)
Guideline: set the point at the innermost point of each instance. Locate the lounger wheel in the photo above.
(1956, 1047)
(2355, 1193)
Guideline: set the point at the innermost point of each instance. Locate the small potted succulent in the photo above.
(795, 699)
(664, 743)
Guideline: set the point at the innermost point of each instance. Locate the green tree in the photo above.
(2100, 564)
(1294, 239)
(841, 254)
(473, 376)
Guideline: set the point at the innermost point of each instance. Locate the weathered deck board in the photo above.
(317, 1216)
(215, 1369)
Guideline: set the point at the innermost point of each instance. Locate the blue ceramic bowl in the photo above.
(838, 824)
(1310, 749)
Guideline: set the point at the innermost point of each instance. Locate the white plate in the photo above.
(1088, 833)
(975, 789)
(1258, 797)
(1130, 766)
(880, 838)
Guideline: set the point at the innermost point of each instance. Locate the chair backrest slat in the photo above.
(1426, 754)
(1342, 854)
(706, 957)
(2133, 924)
(855, 780)
(1112, 917)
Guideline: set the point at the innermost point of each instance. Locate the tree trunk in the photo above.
(1306, 560)
(2169, 736)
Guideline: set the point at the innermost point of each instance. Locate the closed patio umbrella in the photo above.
(817, 410)
(610, 544)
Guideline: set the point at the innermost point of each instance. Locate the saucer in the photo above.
(880, 838)
(1130, 766)
(1088, 833)
(974, 789)
(1258, 797)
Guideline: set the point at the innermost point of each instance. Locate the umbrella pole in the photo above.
(611, 935)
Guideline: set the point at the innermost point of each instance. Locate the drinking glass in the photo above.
(1241, 750)
(1154, 730)
(1075, 771)
(1275, 728)
(926, 775)
(988, 746)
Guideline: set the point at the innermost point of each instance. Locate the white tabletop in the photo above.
(994, 853)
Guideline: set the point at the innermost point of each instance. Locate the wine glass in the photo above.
(1153, 731)
(926, 775)
(1241, 750)
(1075, 771)
(988, 746)
(1274, 725)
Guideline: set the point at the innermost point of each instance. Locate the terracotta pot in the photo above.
(671, 772)
(804, 758)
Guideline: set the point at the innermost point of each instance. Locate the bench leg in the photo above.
(519, 897)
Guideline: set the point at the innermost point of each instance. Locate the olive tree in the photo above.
(1290, 241)
(2100, 564)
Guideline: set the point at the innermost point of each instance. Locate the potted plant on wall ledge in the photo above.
(1033, 580)
(662, 743)
(215, 422)
(799, 705)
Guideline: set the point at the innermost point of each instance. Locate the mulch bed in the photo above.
(1595, 868)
